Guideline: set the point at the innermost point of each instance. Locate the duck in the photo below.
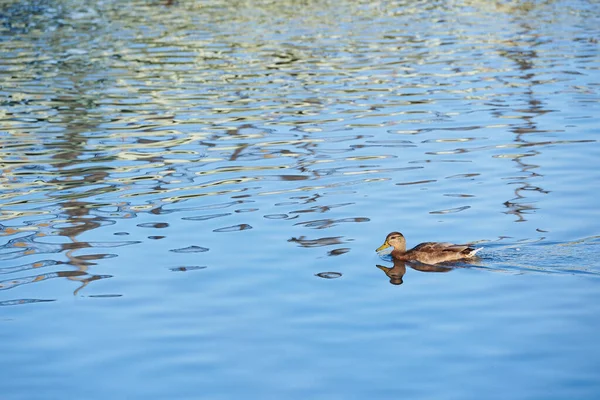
(428, 252)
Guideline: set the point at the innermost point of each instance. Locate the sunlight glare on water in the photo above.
(191, 194)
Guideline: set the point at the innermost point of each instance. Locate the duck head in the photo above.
(395, 240)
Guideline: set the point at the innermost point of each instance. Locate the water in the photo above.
(192, 192)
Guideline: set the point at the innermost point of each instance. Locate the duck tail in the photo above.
(474, 251)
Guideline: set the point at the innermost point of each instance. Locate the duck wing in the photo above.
(431, 247)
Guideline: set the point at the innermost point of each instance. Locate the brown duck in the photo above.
(428, 252)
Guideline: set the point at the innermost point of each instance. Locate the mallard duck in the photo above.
(428, 252)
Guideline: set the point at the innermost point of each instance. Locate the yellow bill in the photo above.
(383, 246)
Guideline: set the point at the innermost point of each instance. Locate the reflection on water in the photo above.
(257, 146)
(396, 273)
(329, 275)
(222, 129)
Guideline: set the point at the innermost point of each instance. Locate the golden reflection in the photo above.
(79, 221)
(516, 7)
(525, 59)
(14, 282)
(59, 171)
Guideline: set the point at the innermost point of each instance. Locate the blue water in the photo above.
(191, 195)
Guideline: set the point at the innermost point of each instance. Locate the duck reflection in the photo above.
(396, 273)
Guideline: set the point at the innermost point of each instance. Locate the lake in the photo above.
(192, 192)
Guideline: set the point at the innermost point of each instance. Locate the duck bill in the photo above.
(383, 246)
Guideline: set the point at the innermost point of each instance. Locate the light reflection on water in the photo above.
(198, 169)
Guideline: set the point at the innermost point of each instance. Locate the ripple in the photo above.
(158, 225)
(190, 249)
(450, 210)
(13, 283)
(19, 302)
(26, 267)
(417, 182)
(28, 245)
(240, 227)
(327, 223)
(337, 252)
(276, 216)
(461, 195)
(463, 176)
(187, 268)
(329, 275)
(320, 242)
(288, 178)
(209, 206)
(206, 217)
(320, 209)
(452, 140)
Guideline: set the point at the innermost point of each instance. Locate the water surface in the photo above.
(191, 194)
